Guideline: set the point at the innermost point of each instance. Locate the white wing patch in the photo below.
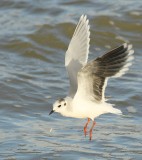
(77, 53)
(79, 46)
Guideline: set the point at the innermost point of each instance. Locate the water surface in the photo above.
(34, 36)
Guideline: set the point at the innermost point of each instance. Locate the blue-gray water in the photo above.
(34, 35)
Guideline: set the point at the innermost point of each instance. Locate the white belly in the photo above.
(87, 109)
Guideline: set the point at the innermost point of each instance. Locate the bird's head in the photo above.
(59, 106)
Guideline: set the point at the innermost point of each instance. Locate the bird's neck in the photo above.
(69, 109)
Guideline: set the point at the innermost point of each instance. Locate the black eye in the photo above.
(64, 104)
(59, 106)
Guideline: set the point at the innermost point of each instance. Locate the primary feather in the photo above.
(77, 53)
(92, 78)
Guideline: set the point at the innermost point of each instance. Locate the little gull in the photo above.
(86, 98)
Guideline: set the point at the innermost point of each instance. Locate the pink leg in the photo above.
(94, 123)
(85, 127)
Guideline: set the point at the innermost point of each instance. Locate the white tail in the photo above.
(115, 111)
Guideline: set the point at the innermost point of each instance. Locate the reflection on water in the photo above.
(33, 39)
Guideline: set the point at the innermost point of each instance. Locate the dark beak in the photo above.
(51, 112)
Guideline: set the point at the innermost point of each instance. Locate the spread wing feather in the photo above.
(77, 53)
(92, 78)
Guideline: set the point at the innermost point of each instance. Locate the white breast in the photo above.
(87, 109)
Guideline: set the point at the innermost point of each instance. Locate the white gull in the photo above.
(86, 98)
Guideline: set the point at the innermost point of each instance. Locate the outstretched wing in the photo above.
(92, 78)
(77, 53)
